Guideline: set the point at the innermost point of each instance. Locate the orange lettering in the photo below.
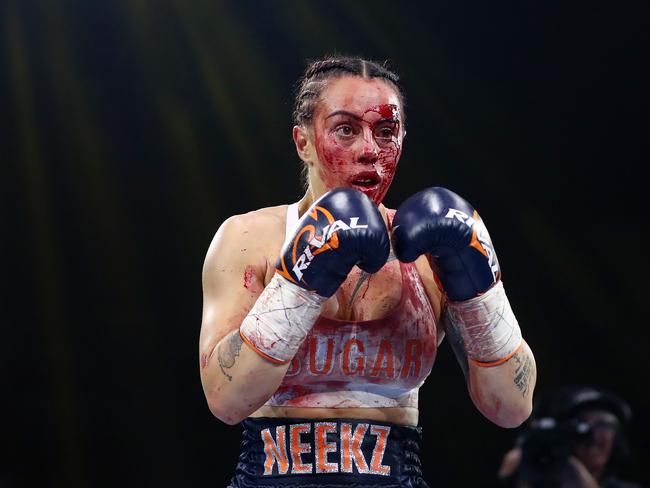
(359, 359)
(385, 352)
(413, 356)
(275, 452)
(378, 452)
(298, 448)
(346, 440)
(351, 448)
(313, 345)
(323, 447)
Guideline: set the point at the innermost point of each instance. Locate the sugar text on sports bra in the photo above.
(357, 356)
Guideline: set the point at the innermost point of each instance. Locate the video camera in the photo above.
(546, 448)
(551, 437)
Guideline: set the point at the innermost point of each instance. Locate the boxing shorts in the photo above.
(333, 453)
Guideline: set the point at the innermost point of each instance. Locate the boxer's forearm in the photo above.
(480, 324)
(497, 362)
(504, 393)
(237, 380)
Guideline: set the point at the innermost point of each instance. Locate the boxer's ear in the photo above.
(303, 143)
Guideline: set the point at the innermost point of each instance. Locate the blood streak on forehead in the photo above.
(385, 111)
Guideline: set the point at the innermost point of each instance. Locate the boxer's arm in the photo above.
(502, 386)
(502, 393)
(484, 333)
(236, 380)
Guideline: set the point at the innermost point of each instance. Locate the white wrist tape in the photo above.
(280, 320)
(487, 326)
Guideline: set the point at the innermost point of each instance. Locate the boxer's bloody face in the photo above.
(357, 133)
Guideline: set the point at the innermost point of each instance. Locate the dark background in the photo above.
(132, 129)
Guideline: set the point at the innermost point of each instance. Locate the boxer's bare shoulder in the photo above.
(248, 236)
(239, 263)
(264, 222)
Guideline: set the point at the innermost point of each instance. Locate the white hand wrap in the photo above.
(280, 320)
(487, 326)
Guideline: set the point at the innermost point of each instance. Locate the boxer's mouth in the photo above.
(368, 179)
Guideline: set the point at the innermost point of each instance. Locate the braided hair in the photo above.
(311, 84)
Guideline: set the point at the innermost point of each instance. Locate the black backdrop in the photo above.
(132, 129)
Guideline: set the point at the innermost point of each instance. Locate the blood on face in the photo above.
(358, 135)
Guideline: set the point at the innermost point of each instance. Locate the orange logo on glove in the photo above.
(480, 238)
(307, 245)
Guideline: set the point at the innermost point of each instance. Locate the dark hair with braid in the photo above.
(311, 84)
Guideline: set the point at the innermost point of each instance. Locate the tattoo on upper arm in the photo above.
(523, 371)
(228, 351)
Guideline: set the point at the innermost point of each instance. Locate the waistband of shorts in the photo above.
(351, 452)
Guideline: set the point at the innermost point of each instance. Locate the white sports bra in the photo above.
(373, 363)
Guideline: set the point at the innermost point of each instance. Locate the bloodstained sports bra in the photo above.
(373, 363)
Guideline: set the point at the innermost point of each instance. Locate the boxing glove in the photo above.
(341, 229)
(449, 230)
(439, 222)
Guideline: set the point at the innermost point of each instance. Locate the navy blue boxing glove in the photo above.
(341, 229)
(439, 222)
(478, 316)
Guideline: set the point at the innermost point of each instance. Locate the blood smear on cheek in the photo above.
(337, 162)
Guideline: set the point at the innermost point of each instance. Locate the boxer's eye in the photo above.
(386, 132)
(344, 130)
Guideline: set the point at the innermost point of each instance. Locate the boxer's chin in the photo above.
(376, 194)
(370, 190)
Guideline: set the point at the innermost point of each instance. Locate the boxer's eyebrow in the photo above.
(344, 112)
(394, 119)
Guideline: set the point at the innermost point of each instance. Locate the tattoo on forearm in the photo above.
(228, 351)
(523, 372)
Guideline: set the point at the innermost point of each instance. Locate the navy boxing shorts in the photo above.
(287, 453)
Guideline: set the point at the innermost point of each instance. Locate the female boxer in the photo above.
(316, 338)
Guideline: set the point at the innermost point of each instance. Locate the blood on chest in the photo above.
(366, 297)
(372, 347)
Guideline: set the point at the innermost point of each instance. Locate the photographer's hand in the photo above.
(578, 476)
(510, 463)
